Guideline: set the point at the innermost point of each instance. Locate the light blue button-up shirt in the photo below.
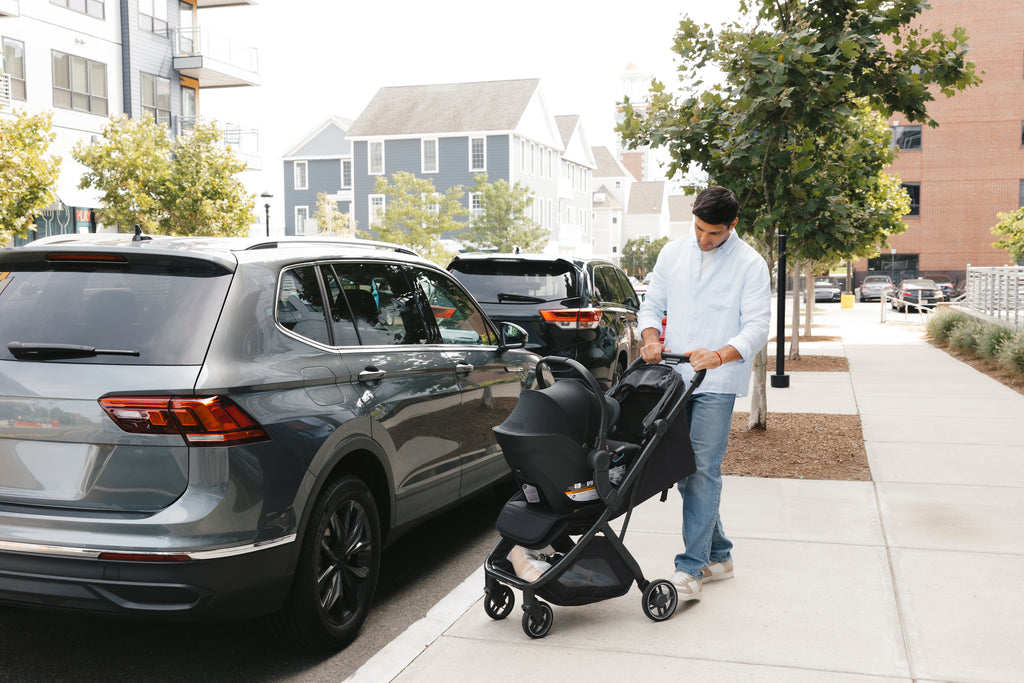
(730, 304)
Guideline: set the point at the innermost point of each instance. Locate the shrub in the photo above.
(942, 323)
(1011, 355)
(964, 335)
(991, 340)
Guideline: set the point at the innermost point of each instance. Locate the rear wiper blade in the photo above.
(505, 296)
(23, 351)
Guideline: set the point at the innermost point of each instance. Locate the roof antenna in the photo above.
(138, 236)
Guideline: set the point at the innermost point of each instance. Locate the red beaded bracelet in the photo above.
(720, 361)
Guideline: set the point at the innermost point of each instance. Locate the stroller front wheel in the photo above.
(660, 600)
(537, 621)
(499, 602)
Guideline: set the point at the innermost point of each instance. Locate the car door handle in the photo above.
(371, 374)
(463, 368)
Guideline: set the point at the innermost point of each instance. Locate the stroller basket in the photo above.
(598, 573)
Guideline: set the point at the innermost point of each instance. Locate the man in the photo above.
(716, 291)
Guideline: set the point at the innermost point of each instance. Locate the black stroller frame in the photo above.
(659, 596)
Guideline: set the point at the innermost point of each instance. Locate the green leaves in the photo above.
(503, 222)
(1010, 230)
(27, 174)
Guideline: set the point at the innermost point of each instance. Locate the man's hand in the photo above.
(652, 348)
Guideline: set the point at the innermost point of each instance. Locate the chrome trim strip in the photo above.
(91, 553)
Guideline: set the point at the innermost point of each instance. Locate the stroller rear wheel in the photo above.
(537, 621)
(660, 600)
(499, 602)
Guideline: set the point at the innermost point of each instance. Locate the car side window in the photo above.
(456, 315)
(342, 324)
(629, 295)
(300, 305)
(607, 285)
(380, 301)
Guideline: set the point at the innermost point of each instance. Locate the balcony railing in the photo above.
(5, 93)
(997, 293)
(244, 142)
(214, 59)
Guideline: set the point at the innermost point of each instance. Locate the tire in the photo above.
(337, 570)
(538, 627)
(499, 602)
(660, 600)
(620, 369)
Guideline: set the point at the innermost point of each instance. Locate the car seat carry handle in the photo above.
(588, 377)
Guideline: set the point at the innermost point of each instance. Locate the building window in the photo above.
(79, 84)
(375, 158)
(14, 66)
(522, 155)
(376, 210)
(476, 204)
(346, 174)
(428, 153)
(477, 155)
(914, 190)
(156, 98)
(906, 137)
(301, 216)
(432, 203)
(1021, 200)
(94, 8)
(301, 172)
(153, 16)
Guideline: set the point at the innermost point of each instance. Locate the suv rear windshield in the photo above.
(166, 314)
(497, 281)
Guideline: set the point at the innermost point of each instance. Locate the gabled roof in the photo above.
(574, 140)
(337, 121)
(608, 165)
(567, 126)
(609, 202)
(446, 108)
(647, 197)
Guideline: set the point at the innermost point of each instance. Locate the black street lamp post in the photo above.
(266, 207)
(780, 380)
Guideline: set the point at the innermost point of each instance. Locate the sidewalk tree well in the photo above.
(28, 174)
(184, 186)
(416, 215)
(503, 223)
(795, 122)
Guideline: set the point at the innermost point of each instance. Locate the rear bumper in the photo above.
(233, 587)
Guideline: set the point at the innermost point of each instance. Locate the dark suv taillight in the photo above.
(209, 421)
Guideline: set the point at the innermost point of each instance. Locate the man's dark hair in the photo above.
(716, 206)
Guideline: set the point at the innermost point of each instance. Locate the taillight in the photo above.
(442, 311)
(574, 318)
(211, 421)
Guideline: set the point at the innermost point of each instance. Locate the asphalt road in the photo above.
(418, 570)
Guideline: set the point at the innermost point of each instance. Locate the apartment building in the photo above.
(87, 60)
(970, 168)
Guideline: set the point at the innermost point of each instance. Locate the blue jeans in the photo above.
(710, 417)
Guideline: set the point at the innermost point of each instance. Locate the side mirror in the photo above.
(512, 337)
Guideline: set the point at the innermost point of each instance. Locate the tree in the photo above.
(1010, 230)
(331, 221)
(27, 174)
(187, 186)
(640, 255)
(793, 128)
(502, 224)
(416, 215)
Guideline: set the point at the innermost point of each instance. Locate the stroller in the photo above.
(583, 458)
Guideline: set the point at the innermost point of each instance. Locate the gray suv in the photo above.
(204, 428)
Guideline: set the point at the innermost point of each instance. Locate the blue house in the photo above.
(451, 132)
(320, 163)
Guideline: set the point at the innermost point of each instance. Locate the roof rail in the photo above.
(351, 241)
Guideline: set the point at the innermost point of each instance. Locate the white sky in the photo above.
(319, 58)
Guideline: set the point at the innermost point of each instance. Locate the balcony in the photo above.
(244, 142)
(202, 4)
(5, 94)
(214, 60)
(9, 8)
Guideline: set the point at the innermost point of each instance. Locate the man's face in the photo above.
(712, 236)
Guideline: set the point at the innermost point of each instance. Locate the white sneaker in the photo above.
(717, 571)
(687, 587)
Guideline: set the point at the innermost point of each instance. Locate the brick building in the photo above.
(963, 173)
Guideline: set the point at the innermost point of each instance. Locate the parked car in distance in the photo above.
(914, 294)
(584, 309)
(826, 290)
(945, 284)
(874, 287)
(221, 428)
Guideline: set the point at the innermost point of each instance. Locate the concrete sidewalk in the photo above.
(915, 576)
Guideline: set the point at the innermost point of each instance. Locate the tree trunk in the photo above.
(758, 392)
(810, 299)
(794, 333)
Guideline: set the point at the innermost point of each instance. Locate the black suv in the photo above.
(584, 309)
(204, 428)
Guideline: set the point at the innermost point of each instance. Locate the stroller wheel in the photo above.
(538, 627)
(499, 601)
(660, 600)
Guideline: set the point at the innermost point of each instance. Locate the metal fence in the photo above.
(996, 293)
